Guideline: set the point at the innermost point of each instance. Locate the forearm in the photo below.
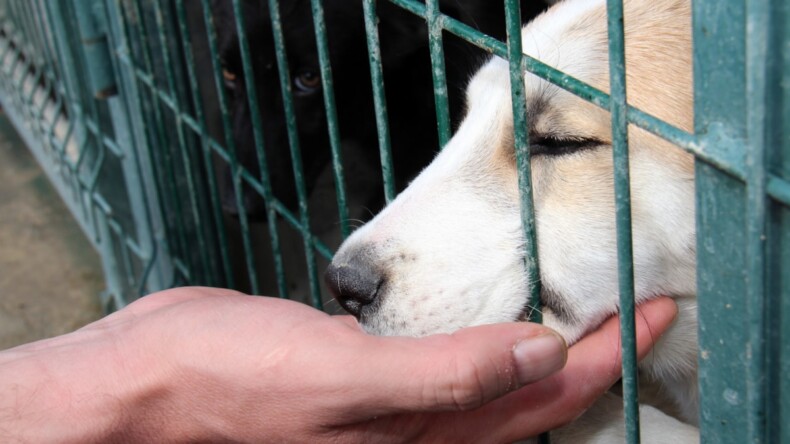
(75, 388)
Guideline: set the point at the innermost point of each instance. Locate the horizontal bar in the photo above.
(778, 189)
(254, 183)
(689, 142)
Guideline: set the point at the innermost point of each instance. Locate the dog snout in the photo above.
(355, 284)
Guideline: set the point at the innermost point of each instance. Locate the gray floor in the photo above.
(50, 276)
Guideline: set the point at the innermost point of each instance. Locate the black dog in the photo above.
(407, 75)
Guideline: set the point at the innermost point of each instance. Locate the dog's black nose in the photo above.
(354, 284)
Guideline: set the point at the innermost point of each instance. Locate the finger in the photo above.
(454, 372)
(594, 364)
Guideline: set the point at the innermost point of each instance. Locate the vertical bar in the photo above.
(625, 264)
(719, 109)
(331, 114)
(779, 161)
(136, 181)
(159, 148)
(236, 169)
(182, 147)
(379, 98)
(521, 143)
(432, 15)
(520, 134)
(296, 155)
(756, 209)
(203, 136)
(257, 131)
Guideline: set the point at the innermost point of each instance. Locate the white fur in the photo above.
(452, 245)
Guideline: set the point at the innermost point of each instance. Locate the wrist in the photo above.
(75, 388)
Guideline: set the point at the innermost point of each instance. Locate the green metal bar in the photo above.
(778, 189)
(296, 155)
(61, 57)
(379, 97)
(438, 71)
(73, 78)
(95, 50)
(146, 244)
(521, 139)
(167, 187)
(109, 260)
(524, 169)
(236, 169)
(625, 259)
(44, 65)
(263, 167)
(199, 127)
(331, 114)
(46, 44)
(33, 38)
(24, 30)
(757, 27)
(720, 107)
(140, 192)
(163, 163)
(215, 147)
(729, 162)
(186, 159)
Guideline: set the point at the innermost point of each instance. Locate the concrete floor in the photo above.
(50, 276)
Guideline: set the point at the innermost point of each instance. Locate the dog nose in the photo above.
(354, 284)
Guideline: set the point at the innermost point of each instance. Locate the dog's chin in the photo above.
(381, 320)
(572, 332)
(380, 326)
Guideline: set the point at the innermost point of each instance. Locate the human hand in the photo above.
(209, 364)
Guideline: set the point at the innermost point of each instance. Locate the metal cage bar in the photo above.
(433, 17)
(521, 142)
(236, 170)
(296, 156)
(327, 83)
(622, 190)
(379, 98)
(739, 142)
(263, 167)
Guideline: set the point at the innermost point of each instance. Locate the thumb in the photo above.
(460, 371)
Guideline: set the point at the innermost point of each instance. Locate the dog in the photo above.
(448, 252)
(406, 68)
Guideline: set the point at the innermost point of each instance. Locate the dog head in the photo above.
(304, 83)
(406, 64)
(448, 252)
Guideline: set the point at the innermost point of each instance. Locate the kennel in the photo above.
(123, 105)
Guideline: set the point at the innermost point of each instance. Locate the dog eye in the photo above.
(229, 79)
(560, 146)
(307, 82)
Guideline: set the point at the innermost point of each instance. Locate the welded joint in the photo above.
(722, 149)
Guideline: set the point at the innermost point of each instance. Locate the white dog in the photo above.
(448, 252)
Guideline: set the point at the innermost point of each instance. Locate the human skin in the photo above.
(204, 364)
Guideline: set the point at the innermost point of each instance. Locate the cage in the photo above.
(129, 108)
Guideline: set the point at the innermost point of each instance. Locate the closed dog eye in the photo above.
(560, 146)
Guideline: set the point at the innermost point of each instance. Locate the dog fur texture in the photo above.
(448, 252)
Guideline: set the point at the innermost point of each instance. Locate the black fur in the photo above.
(407, 77)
